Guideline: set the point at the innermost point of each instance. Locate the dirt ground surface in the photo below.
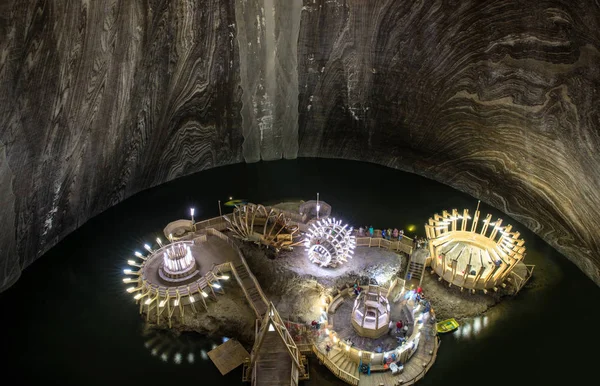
(450, 302)
(296, 286)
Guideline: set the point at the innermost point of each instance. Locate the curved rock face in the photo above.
(100, 100)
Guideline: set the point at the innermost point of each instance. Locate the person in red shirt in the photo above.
(398, 326)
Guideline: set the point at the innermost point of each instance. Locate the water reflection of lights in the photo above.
(470, 328)
(476, 325)
(466, 332)
(177, 348)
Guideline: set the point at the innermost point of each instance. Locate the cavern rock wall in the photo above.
(102, 99)
(267, 33)
(499, 99)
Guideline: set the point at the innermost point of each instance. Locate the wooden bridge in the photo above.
(275, 359)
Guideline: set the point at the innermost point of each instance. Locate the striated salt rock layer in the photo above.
(102, 99)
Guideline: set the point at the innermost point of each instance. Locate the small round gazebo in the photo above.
(371, 313)
(178, 264)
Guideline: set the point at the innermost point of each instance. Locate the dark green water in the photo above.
(68, 320)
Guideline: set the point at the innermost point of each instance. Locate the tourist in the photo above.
(361, 232)
(383, 233)
(398, 326)
(389, 233)
(371, 231)
(400, 234)
(395, 233)
(328, 348)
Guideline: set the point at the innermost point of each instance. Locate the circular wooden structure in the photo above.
(263, 226)
(178, 263)
(473, 254)
(171, 278)
(329, 243)
(371, 313)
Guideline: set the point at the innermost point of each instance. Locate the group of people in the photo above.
(388, 234)
(419, 242)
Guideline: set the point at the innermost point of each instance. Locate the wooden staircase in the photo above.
(251, 289)
(415, 271)
(341, 360)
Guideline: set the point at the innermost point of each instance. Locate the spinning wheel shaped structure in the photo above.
(329, 243)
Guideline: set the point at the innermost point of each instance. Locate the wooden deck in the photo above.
(228, 356)
(414, 369)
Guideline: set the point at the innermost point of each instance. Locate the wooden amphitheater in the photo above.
(474, 253)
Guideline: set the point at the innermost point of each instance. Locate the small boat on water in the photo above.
(236, 202)
(447, 325)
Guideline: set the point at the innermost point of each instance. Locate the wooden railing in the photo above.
(518, 280)
(341, 374)
(383, 243)
(279, 325)
(217, 223)
(425, 369)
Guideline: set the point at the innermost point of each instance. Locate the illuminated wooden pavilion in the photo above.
(472, 253)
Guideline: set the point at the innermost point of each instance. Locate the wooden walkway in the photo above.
(415, 368)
